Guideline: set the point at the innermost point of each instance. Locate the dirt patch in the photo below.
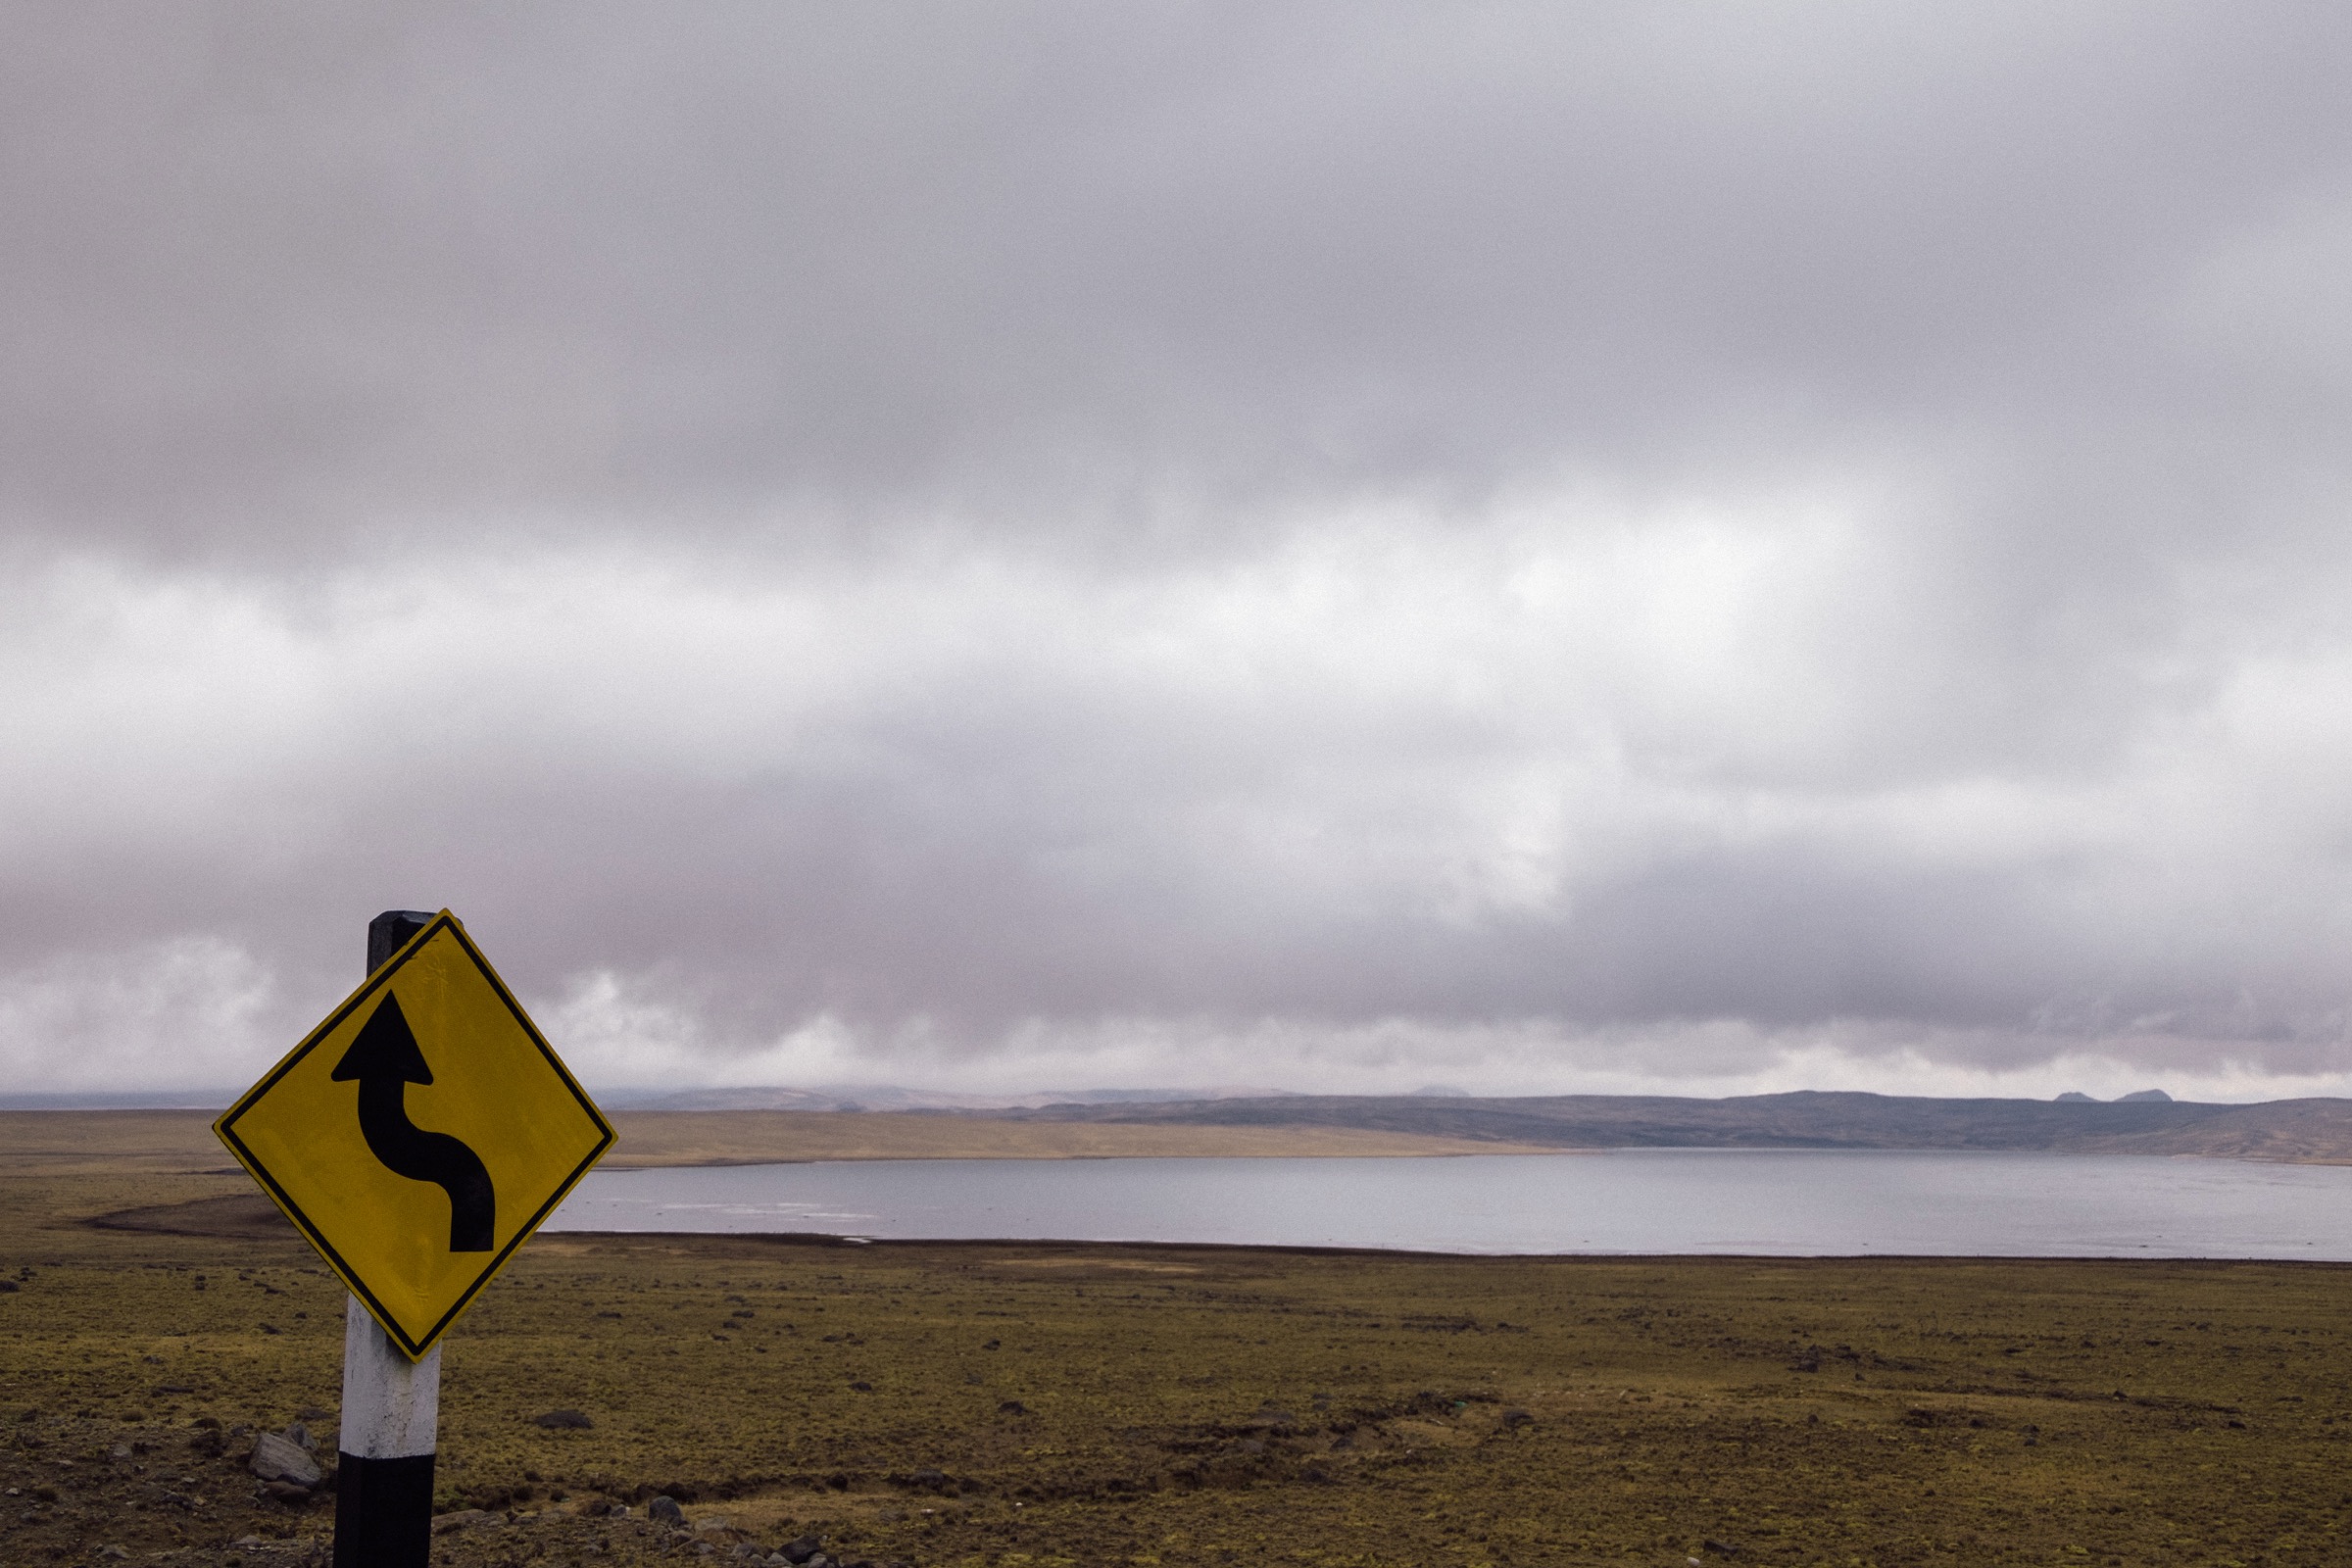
(238, 1217)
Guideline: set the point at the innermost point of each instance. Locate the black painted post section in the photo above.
(383, 1505)
(390, 931)
(384, 1512)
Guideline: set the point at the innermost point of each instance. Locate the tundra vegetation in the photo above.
(1024, 1404)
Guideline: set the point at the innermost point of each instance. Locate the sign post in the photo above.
(417, 1138)
(391, 1404)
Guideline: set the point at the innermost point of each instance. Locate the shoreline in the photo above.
(250, 1216)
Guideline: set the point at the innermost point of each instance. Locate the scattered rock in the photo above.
(113, 1552)
(1514, 1419)
(275, 1458)
(1721, 1548)
(311, 1412)
(172, 1388)
(863, 1386)
(798, 1552)
(1012, 1408)
(665, 1509)
(565, 1420)
(928, 1477)
(287, 1492)
(462, 1519)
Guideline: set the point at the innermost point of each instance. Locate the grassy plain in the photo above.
(1027, 1406)
(650, 1138)
(181, 1140)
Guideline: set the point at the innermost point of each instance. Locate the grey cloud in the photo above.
(1524, 519)
(283, 278)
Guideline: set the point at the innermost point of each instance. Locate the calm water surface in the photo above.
(1803, 1203)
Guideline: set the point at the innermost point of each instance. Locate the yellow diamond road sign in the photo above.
(420, 1134)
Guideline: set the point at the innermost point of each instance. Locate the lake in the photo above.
(1775, 1203)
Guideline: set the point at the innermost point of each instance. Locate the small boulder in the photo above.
(300, 1435)
(665, 1509)
(563, 1420)
(275, 1458)
(287, 1492)
(798, 1552)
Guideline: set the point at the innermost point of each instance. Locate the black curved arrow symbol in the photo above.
(385, 1060)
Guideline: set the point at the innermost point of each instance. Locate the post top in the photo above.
(390, 931)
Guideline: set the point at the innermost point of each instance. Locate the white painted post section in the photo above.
(384, 1474)
(391, 1404)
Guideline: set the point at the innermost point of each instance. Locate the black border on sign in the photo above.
(226, 1130)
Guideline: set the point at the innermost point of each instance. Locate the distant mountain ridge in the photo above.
(894, 1096)
(2279, 1129)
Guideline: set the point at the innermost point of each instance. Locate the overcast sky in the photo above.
(1693, 549)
